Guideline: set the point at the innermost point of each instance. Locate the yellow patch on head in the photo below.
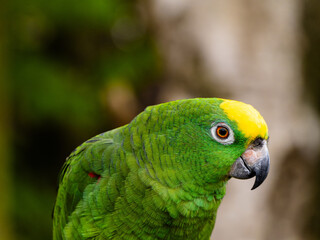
(249, 120)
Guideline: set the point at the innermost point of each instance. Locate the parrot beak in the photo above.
(254, 161)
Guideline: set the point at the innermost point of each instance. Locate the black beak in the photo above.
(255, 161)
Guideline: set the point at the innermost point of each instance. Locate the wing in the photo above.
(83, 169)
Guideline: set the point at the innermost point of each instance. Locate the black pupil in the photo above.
(223, 132)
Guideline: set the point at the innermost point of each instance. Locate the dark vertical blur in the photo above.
(311, 67)
(5, 138)
(311, 23)
(74, 69)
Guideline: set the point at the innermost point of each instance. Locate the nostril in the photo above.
(258, 142)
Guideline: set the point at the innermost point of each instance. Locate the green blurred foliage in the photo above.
(61, 55)
(63, 51)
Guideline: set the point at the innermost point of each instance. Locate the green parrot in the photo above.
(163, 175)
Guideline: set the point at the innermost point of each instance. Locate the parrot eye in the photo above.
(222, 133)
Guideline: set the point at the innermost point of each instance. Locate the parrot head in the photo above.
(217, 139)
(240, 135)
(248, 124)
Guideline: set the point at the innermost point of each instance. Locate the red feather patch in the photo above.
(93, 175)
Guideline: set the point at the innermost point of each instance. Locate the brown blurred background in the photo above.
(72, 69)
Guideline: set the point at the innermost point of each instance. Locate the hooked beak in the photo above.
(255, 161)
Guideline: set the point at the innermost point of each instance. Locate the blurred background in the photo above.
(72, 69)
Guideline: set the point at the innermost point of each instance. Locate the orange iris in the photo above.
(222, 132)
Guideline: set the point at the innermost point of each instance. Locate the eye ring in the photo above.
(222, 133)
